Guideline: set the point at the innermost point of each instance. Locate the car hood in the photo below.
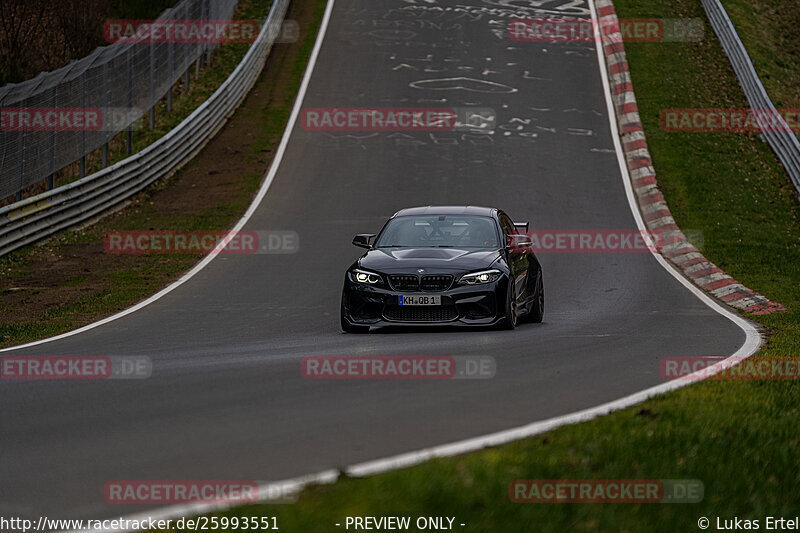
(432, 259)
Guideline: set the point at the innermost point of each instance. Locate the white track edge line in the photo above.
(751, 345)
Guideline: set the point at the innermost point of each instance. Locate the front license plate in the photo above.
(419, 300)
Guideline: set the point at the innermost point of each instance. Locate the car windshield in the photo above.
(439, 231)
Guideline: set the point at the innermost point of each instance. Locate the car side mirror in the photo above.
(519, 241)
(362, 240)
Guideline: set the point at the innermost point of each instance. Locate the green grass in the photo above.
(767, 27)
(740, 439)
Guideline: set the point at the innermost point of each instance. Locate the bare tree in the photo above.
(43, 35)
(20, 20)
(81, 24)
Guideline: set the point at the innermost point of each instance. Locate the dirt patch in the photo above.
(69, 281)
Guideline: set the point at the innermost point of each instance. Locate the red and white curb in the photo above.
(673, 245)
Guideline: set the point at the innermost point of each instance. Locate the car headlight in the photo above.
(366, 277)
(476, 278)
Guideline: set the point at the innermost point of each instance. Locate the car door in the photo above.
(517, 257)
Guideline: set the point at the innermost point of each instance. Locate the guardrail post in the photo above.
(186, 77)
(53, 143)
(83, 132)
(171, 67)
(107, 103)
(21, 165)
(152, 117)
(204, 15)
(129, 130)
(51, 182)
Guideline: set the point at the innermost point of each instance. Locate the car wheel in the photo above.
(536, 313)
(511, 318)
(347, 327)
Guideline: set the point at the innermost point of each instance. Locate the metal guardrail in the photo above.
(781, 138)
(42, 215)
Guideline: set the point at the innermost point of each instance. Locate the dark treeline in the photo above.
(43, 35)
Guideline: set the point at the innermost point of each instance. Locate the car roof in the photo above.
(447, 210)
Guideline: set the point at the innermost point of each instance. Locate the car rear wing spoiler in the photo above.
(522, 226)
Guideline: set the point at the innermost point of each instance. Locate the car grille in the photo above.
(408, 282)
(404, 282)
(436, 283)
(420, 314)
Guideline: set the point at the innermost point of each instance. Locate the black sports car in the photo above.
(444, 265)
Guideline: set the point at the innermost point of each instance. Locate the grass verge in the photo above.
(739, 438)
(770, 30)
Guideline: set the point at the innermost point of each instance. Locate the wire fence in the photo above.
(89, 101)
(81, 201)
(781, 138)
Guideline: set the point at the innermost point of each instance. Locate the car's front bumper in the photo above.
(466, 305)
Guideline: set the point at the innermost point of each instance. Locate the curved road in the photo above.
(226, 399)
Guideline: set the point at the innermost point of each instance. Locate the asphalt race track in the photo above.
(227, 400)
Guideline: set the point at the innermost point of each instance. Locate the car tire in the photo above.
(510, 318)
(536, 312)
(347, 327)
